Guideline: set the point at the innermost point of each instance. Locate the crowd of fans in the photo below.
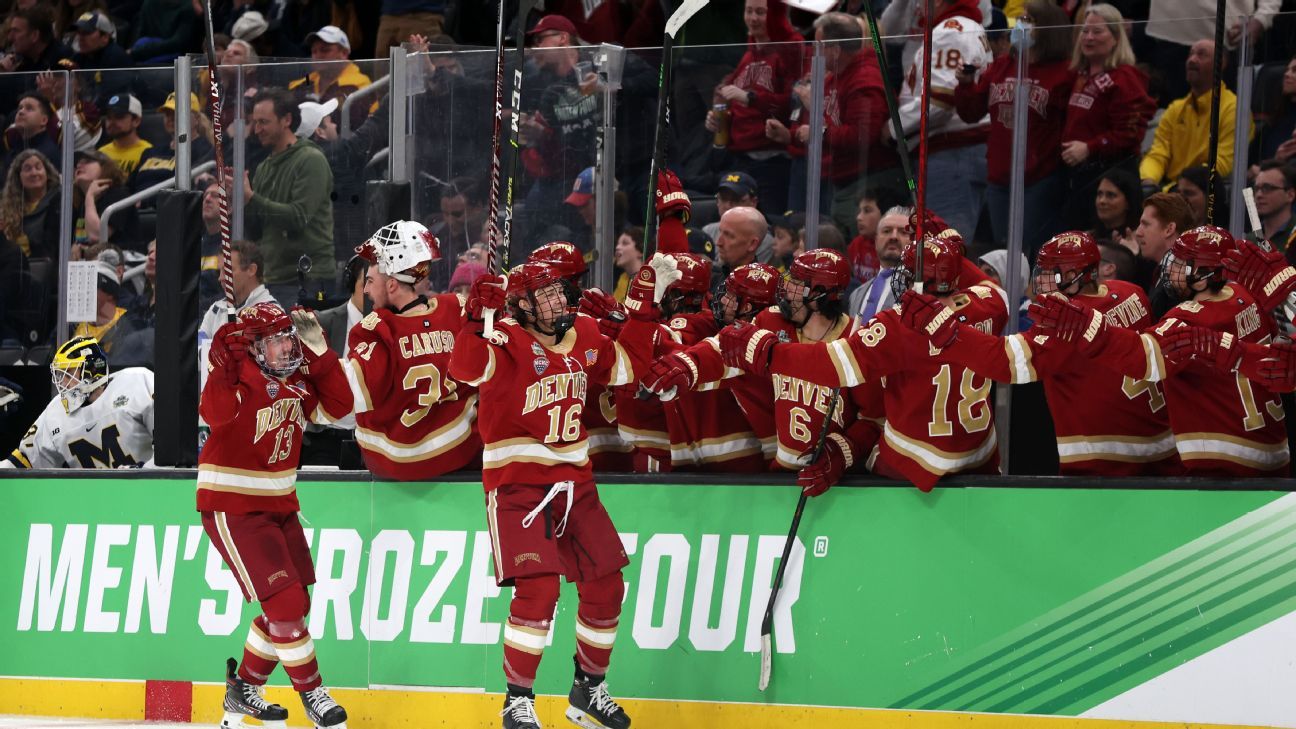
(1117, 133)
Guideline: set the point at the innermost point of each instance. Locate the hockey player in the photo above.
(1225, 424)
(1107, 424)
(98, 420)
(607, 450)
(257, 401)
(413, 421)
(938, 416)
(533, 372)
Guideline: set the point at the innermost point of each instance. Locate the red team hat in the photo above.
(1073, 255)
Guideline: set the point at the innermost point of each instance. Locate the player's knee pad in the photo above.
(601, 598)
(534, 597)
(286, 612)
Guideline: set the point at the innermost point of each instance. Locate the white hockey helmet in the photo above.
(402, 250)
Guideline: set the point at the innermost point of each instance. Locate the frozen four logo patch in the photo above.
(536, 349)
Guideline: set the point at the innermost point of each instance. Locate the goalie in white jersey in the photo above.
(98, 419)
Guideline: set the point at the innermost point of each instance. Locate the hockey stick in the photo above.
(892, 105)
(920, 205)
(218, 138)
(1253, 216)
(767, 622)
(676, 21)
(1217, 73)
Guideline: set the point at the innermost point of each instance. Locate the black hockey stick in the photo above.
(1217, 74)
(902, 148)
(767, 623)
(673, 25)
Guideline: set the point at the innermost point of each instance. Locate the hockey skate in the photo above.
(592, 707)
(519, 712)
(321, 710)
(243, 699)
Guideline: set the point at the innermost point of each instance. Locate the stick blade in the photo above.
(767, 661)
(682, 14)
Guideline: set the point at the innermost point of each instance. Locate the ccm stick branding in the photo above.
(708, 592)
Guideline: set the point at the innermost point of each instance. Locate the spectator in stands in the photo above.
(862, 252)
(1117, 205)
(1182, 135)
(338, 322)
(462, 215)
(1165, 216)
(31, 47)
(98, 183)
(1116, 262)
(14, 276)
(1278, 139)
(1193, 183)
(209, 284)
(166, 28)
(463, 276)
(288, 201)
(110, 326)
(759, 88)
(994, 264)
(122, 120)
(29, 214)
(97, 49)
(455, 107)
(402, 18)
(1275, 192)
(741, 231)
(1109, 109)
(334, 76)
(583, 201)
(739, 190)
(138, 347)
(158, 164)
(1176, 26)
(628, 258)
(66, 13)
(87, 118)
(35, 127)
(991, 90)
(854, 155)
(875, 294)
(247, 265)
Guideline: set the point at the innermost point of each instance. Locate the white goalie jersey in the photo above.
(114, 431)
(956, 41)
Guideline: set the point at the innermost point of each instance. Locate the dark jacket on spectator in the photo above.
(43, 142)
(166, 29)
(123, 222)
(1109, 112)
(157, 164)
(99, 87)
(1050, 85)
(41, 226)
(854, 113)
(23, 77)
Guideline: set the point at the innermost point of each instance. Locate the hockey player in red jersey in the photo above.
(532, 373)
(938, 416)
(1225, 424)
(262, 389)
(413, 420)
(1107, 424)
(607, 450)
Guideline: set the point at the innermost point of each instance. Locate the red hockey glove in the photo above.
(668, 373)
(933, 225)
(929, 317)
(1264, 274)
(229, 349)
(821, 475)
(671, 198)
(649, 286)
(1215, 348)
(1057, 316)
(487, 293)
(1278, 370)
(747, 347)
(611, 326)
(599, 304)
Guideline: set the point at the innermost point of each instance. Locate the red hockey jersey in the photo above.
(413, 421)
(249, 462)
(532, 397)
(607, 450)
(1225, 425)
(1107, 423)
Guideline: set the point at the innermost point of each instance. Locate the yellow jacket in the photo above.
(1183, 137)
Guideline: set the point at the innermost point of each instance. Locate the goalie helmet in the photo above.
(527, 282)
(1196, 255)
(688, 295)
(79, 368)
(747, 290)
(1066, 260)
(568, 261)
(274, 343)
(942, 263)
(818, 277)
(402, 250)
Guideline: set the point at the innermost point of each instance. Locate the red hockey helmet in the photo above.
(747, 290)
(563, 256)
(1066, 260)
(275, 345)
(1197, 255)
(820, 277)
(695, 273)
(942, 263)
(547, 316)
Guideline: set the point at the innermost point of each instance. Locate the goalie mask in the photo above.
(814, 283)
(570, 264)
(1196, 256)
(542, 286)
(275, 346)
(747, 291)
(942, 263)
(79, 368)
(688, 295)
(1067, 263)
(402, 250)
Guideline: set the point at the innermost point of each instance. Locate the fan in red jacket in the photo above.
(413, 420)
(533, 373)
(257, 401)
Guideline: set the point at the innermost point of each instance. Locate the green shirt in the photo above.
(291, 212)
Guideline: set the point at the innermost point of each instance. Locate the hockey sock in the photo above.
(286, 611)
(596, 623)
(259, 655)
(527, 630)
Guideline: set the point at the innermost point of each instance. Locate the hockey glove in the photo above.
(933, 224)
(644, 296)
(1278, 370)
(229, 350)
(10, 396)
(487, 293)
(748, 347)
(309, 332)
(1212, 347)
(671, 198)
(665, 375)
(1057, 316)
(929, 317)
(821, 475)
(599, 304)
(1264, 274)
